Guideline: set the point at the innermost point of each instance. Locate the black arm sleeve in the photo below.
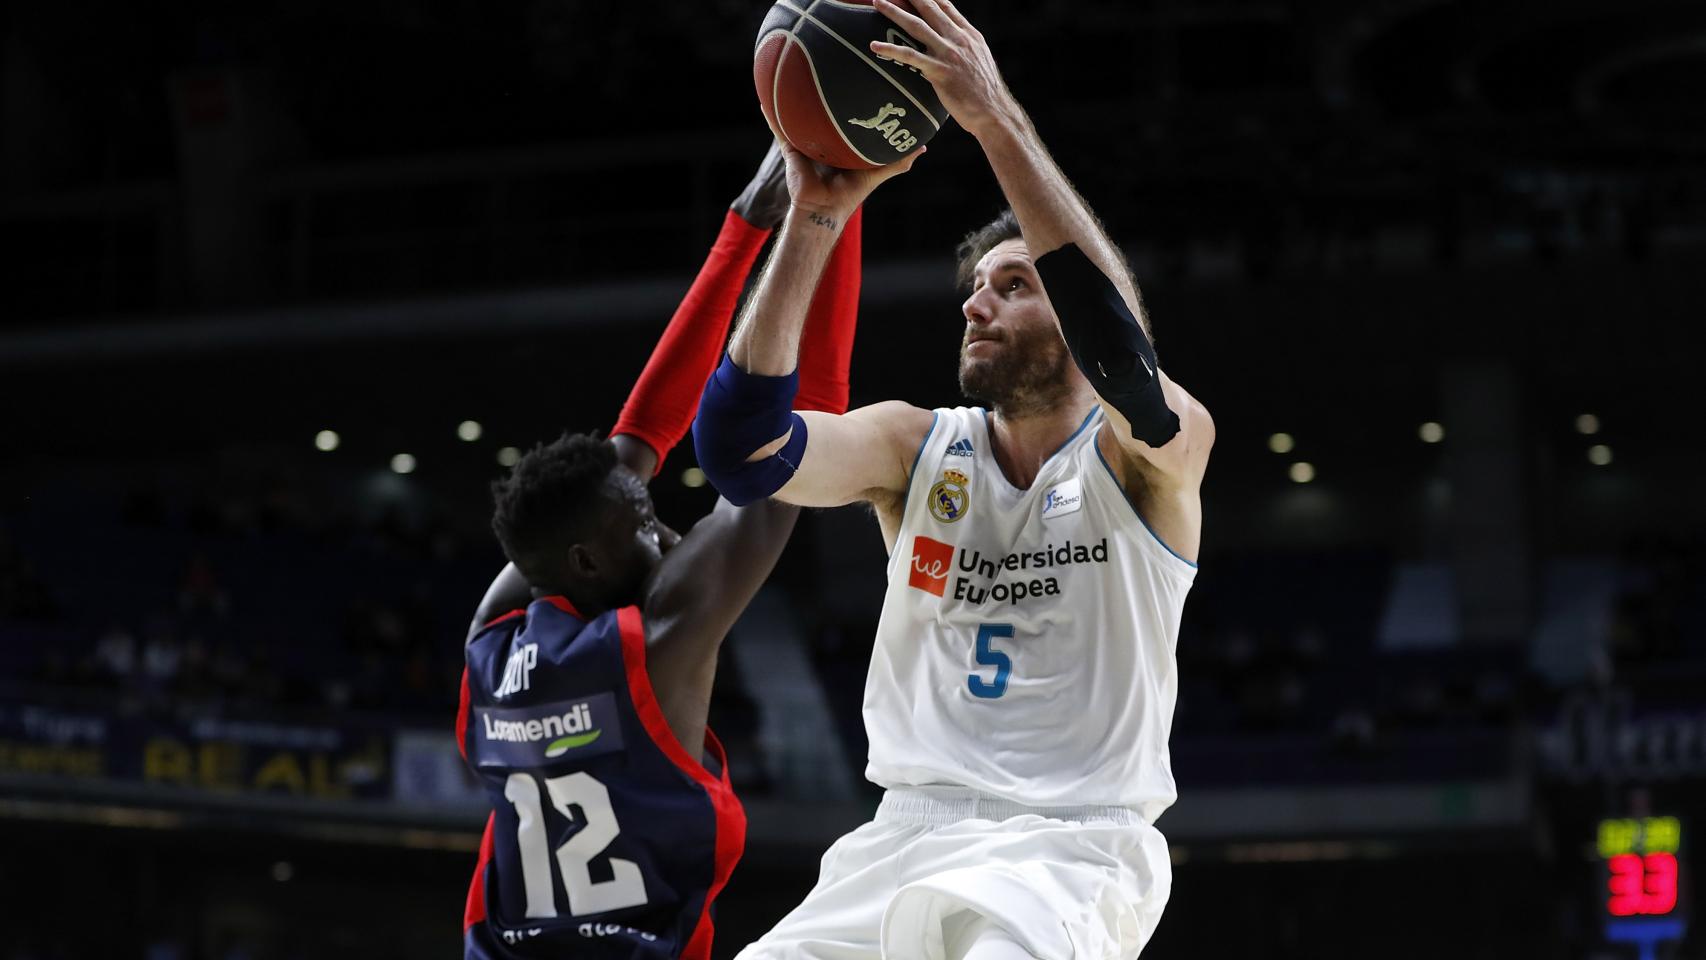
(1107, 342)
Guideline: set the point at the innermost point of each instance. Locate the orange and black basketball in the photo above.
(825, 92)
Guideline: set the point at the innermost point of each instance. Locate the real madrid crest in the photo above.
(950, 498)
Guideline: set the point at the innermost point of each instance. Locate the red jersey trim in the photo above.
(731, 819)
(462, 718)
(475, 910)
(562, 603)
(489, 624)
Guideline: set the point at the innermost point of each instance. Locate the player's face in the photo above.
(1012, 356)
(632, 540)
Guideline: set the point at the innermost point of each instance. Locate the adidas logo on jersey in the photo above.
(962, 448)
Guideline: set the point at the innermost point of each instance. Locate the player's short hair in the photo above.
(979, 242)
(550, 499)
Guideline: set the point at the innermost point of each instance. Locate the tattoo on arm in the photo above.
(828, 223)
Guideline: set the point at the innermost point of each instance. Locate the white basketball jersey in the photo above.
(1026, 647)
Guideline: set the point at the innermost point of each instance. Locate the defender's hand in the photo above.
(956, 60)
(765, 200)
(833, 193)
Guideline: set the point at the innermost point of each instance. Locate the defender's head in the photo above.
(1012, 356)
(575, 521)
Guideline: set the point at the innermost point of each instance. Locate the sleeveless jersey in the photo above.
(607, 839)
(1026, 646)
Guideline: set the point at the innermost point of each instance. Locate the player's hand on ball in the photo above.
(765, 200)
(956, 60)
(832, 192)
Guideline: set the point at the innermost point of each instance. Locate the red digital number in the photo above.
(1627, 897)
(1660, 884)
(1641, 885)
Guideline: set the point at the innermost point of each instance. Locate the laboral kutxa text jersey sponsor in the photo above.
(607, 839)
(1026, 646)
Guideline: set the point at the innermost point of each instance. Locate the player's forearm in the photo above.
(1050, 211)
(661, 405)
(767, 342)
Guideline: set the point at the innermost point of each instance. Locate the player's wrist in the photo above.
(765, 199)
(819, 218)
(1003, 121)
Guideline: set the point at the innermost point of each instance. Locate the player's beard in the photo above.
(1028, 374)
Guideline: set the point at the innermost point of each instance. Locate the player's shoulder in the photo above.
(896, 417)
(549, 652)
(549, 625)
(902, 426)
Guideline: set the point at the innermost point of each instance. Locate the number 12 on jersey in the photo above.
(991, 657)
(625, 888)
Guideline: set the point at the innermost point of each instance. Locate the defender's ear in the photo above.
(583, 562)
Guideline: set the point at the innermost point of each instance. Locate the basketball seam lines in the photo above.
(817, 86)
(793, 38)
(776, 82)
(805, 15)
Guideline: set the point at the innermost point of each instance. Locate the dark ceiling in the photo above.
(410, 146)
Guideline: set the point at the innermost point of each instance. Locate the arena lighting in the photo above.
(1281, 443)
(403, 463)
(1431, 432)
(1302, 472)
(693, 478)
(469, 430)
(326, 441)
(508, 456)
(282, 871)
(1587, 424)
(1599, 454)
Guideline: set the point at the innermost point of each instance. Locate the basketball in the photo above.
(824, 91)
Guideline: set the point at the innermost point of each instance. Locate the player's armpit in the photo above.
(1181, 461)
(858, 455)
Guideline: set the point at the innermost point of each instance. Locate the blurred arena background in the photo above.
(283, 285)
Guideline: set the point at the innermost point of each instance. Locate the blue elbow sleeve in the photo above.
(740, 412)
(1107, 342)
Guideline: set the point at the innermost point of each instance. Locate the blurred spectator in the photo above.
(115, 655)
(201, 594)
(23, 595)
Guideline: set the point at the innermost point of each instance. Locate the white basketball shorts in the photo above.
(1068, 883)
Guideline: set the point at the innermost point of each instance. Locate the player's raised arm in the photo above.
(1083, 272)
(660, 407)
(694, 597)
(750, 442)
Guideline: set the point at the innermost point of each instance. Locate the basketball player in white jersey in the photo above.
(1023, 680)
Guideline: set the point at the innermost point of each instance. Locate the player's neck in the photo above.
(585, 604)
(1024, 442)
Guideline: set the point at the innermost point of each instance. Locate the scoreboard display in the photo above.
(1643, 877)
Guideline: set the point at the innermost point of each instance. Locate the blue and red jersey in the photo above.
(607, 838)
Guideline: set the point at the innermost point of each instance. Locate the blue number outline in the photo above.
(990, 657)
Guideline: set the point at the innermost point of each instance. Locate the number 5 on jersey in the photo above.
(991, 657)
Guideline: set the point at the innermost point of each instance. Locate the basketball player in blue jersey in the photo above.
(584, 705)
(1023, 679)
